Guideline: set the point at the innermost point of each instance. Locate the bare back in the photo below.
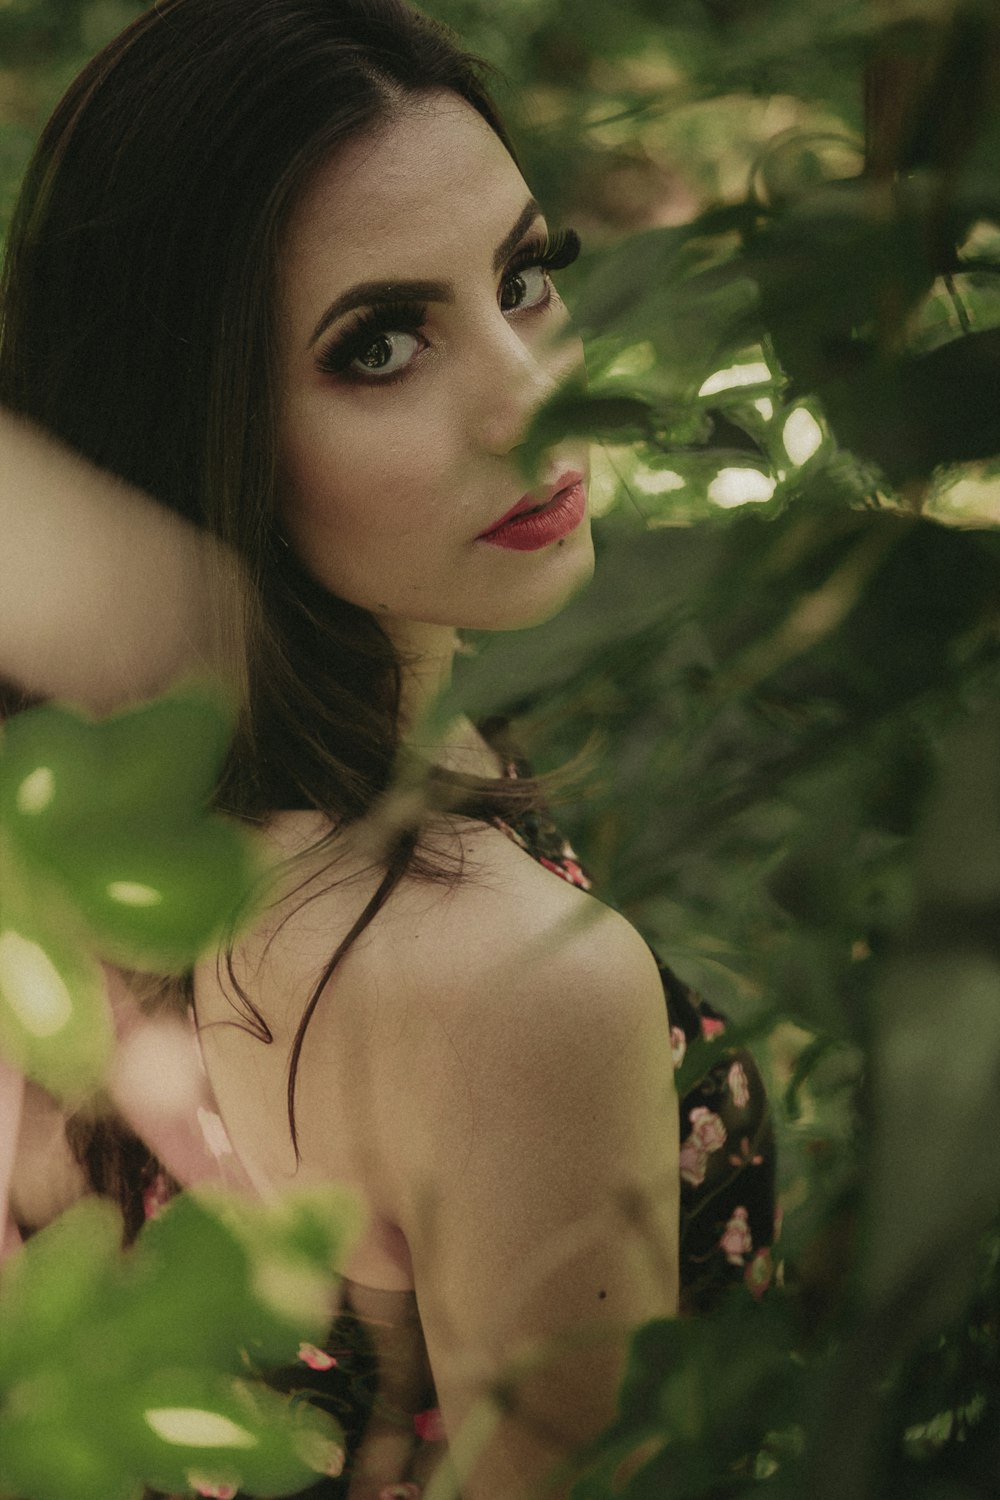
(456, 1001)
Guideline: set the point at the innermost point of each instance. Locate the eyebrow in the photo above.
(371, 293)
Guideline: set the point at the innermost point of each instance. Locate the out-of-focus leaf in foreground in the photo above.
(119, 1369)
(697, 1397)
(943, 988)
(115, 813)
(107, 847)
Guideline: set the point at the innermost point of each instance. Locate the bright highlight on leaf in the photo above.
(292, 1290)
(32, 986)
(658, 481)
(765, 407)
(757, 373)
(36, 791)
(966, 496)
(982, 240)
(133, 893)
(321, 1454)
(192, 1427)
(637, 360)
(732, 487)
(802, 436)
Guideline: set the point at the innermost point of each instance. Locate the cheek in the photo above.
(365, 501)
(358, 461)
(329, 472)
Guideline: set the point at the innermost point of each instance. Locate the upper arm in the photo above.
(105, 595)
(47, 1177)
(536, 1144)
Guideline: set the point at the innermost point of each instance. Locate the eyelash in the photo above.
(553, 254)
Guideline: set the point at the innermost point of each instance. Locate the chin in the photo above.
(543, 597)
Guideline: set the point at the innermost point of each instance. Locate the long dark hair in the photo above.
(138, 304)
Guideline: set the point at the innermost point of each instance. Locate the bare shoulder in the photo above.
(494, 911)
(501, 982)
(506, 939)
(499, 956)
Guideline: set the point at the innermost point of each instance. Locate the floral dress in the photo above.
(727, 1170)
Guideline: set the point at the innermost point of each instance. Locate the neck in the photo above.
(427, 653)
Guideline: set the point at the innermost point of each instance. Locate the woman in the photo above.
(275, 265)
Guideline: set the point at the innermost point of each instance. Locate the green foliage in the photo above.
(139, 1367)
(99, 809)
(794, 702)
(695, 1395)
(797, 795)
(107, 846)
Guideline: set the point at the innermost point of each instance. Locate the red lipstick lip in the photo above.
(531, 502)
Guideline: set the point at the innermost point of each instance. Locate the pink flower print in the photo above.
(736, 1241)
(316, 1359)
(575, 875)
(707, 1129)
(744, 1159)
(566, 869)
(757, 1276)
(678, 1045)
(739, 1089)
(711, 1026)
(693, 1161)
(213, 1489)
(573, 867)
(156, 1196)
(429, 1425)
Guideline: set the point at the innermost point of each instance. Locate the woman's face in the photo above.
(403, 405)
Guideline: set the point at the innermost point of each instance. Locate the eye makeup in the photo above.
(373, 328)
(366, 331)
(553, 253)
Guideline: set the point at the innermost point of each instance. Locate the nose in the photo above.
(516, 376)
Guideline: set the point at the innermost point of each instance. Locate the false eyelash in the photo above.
(552, 254)
(387, 317)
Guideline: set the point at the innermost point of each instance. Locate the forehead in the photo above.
(432, 180)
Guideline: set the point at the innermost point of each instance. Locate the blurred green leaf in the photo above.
(54, 1019)
(942, 992)
(706, 1392)
(169, 1334)
(123, 831)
